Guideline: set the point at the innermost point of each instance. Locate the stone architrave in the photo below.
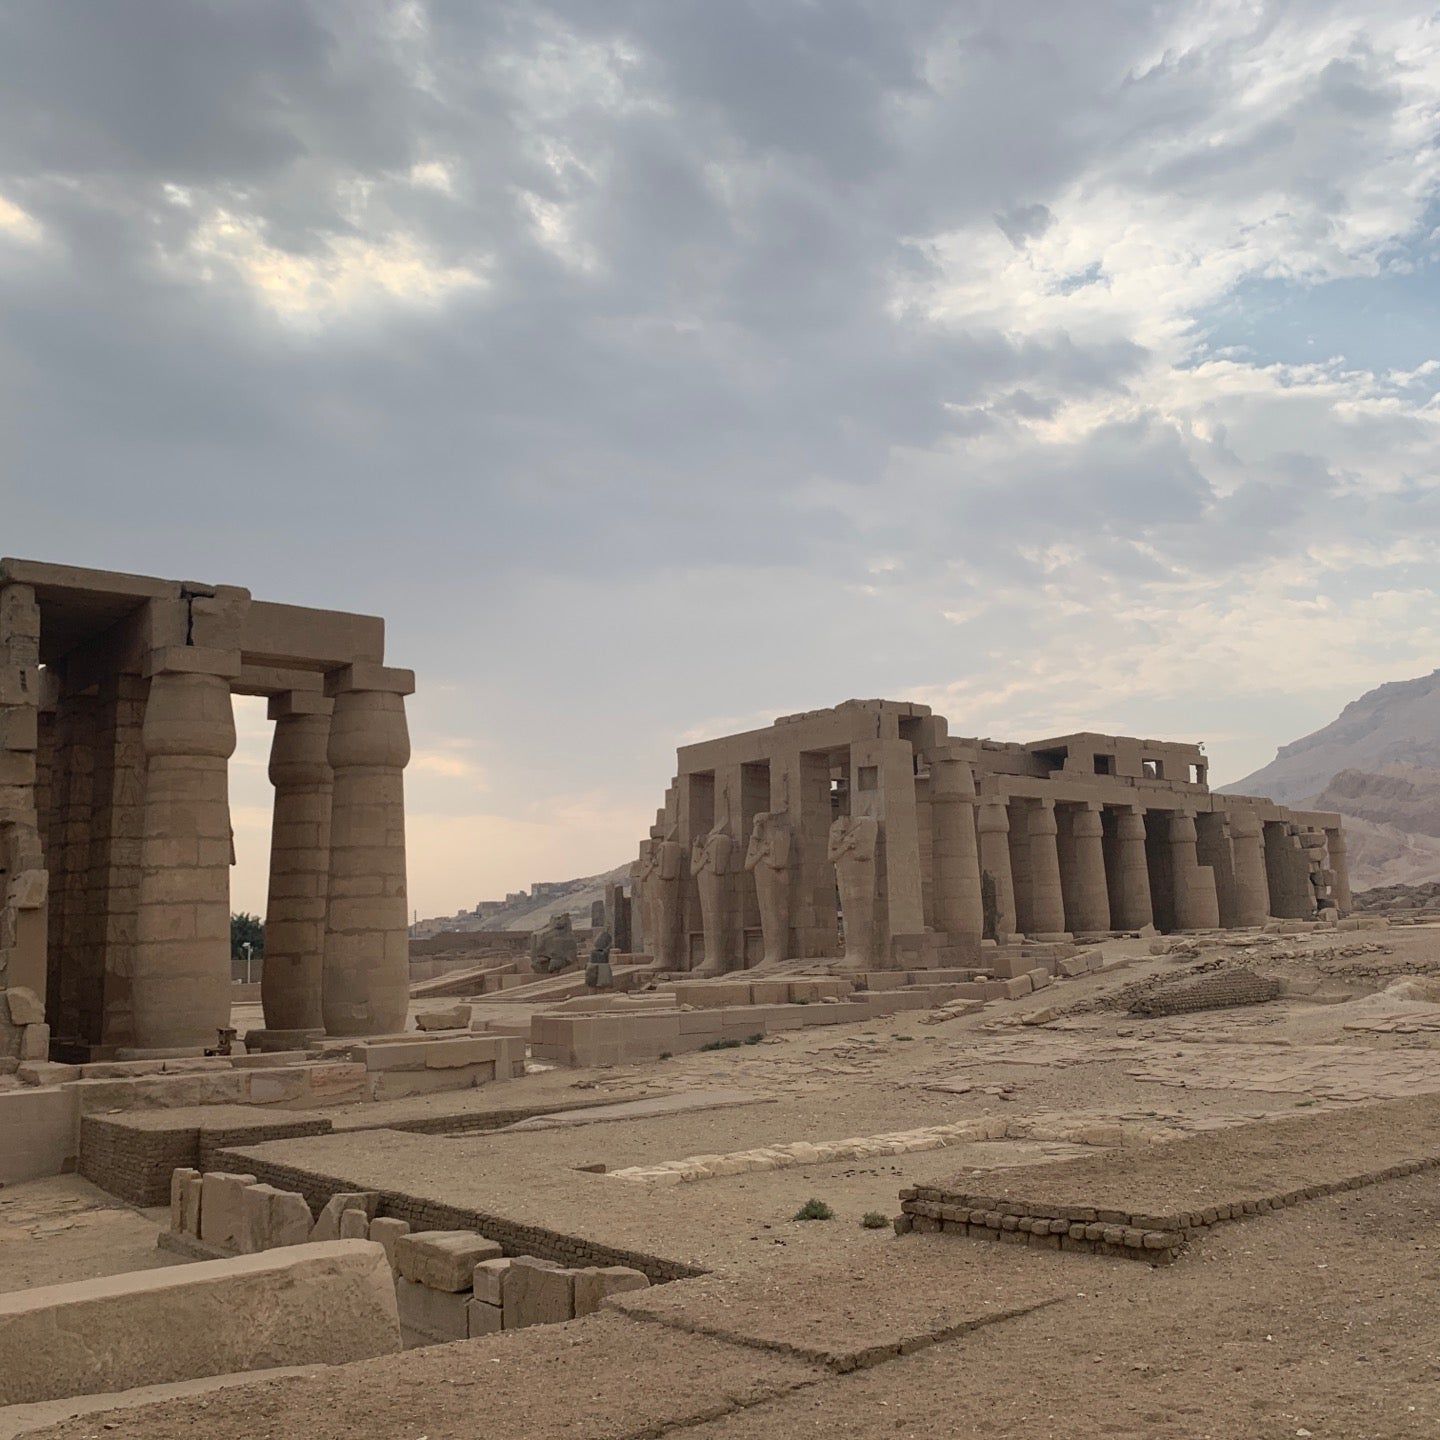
(366, 985)
(181, 987)
(710, 866)
(854, 842)
(768, 860)
(291, 980)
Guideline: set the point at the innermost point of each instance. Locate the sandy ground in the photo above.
(1316, 1321)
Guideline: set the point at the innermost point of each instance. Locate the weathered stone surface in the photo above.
(273, 1218)
(222, 1216)
(443, 1259)
(489, 1281)
(190, 1205)
(537, 1293)
(593, 1284)
(482, 1318)
(385, 1231)
(327, 1223)
(309, 1304)
(354, 1225)
(180, 1179)
(26, 1007)
(436, 1316)
(453, 1017)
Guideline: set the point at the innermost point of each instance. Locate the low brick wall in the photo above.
(132, 1155)
(1132, 1234)
(1220, 990)
(571, 1251)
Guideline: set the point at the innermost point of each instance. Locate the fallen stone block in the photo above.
(354, 1225)
(595, 1283)
(273, 1218)
(385, 1231)
(327, 1224)
(308, 1304)
(436, 1316)
(443, 1259)
(454, 1017)
(482, 1318)
(179, 1178)
(222, 1216)
(25, 1006)
(537, 1293)
(488, 1281)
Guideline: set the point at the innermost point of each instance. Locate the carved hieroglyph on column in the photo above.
(854, 841)
(768, 860)
(291, 984)
(710, 864)
(367, 965)
(182, 956)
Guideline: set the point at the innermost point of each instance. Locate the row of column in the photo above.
(336, 936)
(1048, 870)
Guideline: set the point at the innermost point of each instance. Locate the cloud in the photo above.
(663, 364)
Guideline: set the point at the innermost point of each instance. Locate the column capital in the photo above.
(367, 676)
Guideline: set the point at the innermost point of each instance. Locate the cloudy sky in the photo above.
(660, 366)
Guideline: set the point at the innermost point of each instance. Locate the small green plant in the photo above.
(754, 1039)
(666, 1055)
(722, 1045)
(814, 1210)
(874, 1220)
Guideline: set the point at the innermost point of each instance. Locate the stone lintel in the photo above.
(192, 660)
(298, 702)
(364, 675)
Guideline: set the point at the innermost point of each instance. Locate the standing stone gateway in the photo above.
(116, 729)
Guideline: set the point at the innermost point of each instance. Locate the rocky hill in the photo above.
(1378, 764)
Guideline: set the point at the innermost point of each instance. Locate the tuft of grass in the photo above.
(754, 1039)
(666, 1055)
(874, 1220)
(722, 1045)
(814, 1209)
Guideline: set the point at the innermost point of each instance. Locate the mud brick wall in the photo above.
(132, 1158)
(1101, 1230)
(571, 1251)
(1220, 990)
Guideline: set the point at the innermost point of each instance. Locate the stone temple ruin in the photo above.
(868, 832)
(115, 842)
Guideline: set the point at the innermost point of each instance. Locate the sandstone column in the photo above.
(366, 984)
(1130, 904)
(1247, 849)
(1340, 870)
(291, 981)
(711, 868)
(1047, 902)
(954, 857)
(993, 827)
(1087, 901)
(1196, 906)
(181, 989)
(853, 848)
(768, 860)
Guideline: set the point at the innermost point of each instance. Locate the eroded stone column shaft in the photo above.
(1252, 886)
(955, 862)
(1087, 901)
(366, 985)
(1196, 905)
(181, 987)
(1131, 907)
(1047, 900)
(291, 981)
(1340, 870)
(996, 880)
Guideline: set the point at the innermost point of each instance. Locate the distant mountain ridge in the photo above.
(1378, 764)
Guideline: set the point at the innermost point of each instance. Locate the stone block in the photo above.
(488, 1281)
(306, 1305)
(273, 1218)
(327, 1225)
(25, 1006)
(436, 1316)
(385, 1231)
(595, 1283)
(354, 1225)
(455, 1017)
(46, 1072)
(443, 1259)
(35, 1042)
(222, 1219)
(537, 1293)
(190, 1205)
(482, 1318)
(179, 1179)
